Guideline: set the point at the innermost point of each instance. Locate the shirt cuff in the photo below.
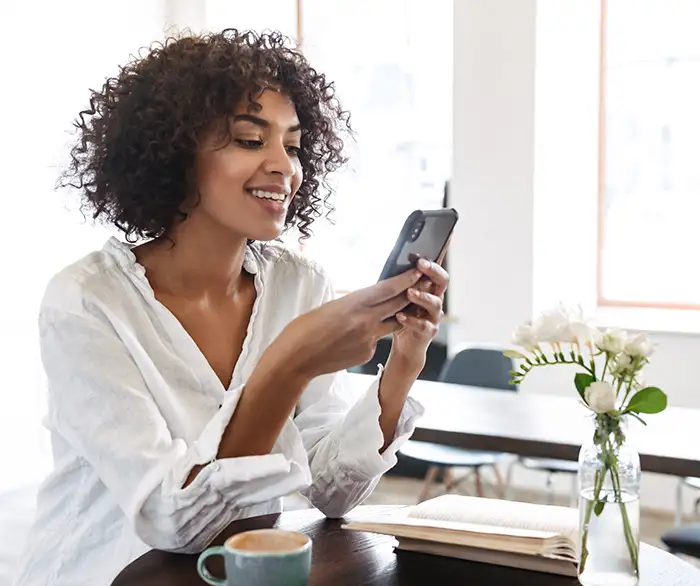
(225, 472)
(362, 437)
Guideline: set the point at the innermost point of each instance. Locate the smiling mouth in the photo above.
(269, 195)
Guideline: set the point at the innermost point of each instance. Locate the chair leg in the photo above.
(479, 483)
(456, 482)
(448, 479)
(509, 479)
(501, 487)
(549, 488)
(428, 482)
(679, 503)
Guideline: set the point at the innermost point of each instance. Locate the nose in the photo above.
(278, 161)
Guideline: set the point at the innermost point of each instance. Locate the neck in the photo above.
(195, 260)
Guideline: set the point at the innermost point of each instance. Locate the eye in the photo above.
(249, 144)
(293, 150)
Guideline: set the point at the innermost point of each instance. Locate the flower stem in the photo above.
(559, 358)
(620, 382)
(629, 390)
(590, 504)
(627, 527)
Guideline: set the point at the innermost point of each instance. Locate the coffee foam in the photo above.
(267, 541)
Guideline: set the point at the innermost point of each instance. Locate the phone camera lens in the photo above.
(417, 230)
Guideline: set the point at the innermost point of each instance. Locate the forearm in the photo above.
(269, 396)
(397, 380)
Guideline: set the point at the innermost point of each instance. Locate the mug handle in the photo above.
(202, 568)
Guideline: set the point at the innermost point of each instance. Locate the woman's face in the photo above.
(246, 185)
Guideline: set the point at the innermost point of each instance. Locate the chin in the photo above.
(264, 234)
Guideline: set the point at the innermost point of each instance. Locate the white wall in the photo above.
(491, 253)
(495, 250)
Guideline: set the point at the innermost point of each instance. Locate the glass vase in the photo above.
(608, 481)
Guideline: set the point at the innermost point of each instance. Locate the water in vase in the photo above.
(609, 562)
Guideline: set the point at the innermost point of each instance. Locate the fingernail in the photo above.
(424, 263)
(400, 317)
(417, 274)
(414, 292)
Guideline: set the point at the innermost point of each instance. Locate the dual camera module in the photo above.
(416, 230)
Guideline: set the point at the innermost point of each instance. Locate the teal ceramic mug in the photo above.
(264, 557)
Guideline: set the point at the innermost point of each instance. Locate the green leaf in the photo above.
(514, 354)
(582, 382)
(598, 509)
(648, 400)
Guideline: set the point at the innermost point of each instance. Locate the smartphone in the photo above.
(425, 234)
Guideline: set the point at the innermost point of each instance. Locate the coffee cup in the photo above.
(263, 557)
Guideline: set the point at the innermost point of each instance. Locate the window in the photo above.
(391, 62)
(650, 151)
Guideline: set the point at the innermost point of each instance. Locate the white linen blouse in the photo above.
(133, 405)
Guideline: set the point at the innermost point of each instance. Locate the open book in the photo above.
(534, 537)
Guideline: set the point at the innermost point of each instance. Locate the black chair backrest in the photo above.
(479, 367)
(434, 360)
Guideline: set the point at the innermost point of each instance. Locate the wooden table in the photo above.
(545, 426)
(351, 558)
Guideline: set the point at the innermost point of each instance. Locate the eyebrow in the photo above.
(260, 122)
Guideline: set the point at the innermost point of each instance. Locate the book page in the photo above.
(499, 513)
(495, 557)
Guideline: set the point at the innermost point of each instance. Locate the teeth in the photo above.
(268, 195)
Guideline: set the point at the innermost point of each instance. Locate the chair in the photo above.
(434, 359)
(481, 367)
(683, 540)
(550, 467)
(682, 483)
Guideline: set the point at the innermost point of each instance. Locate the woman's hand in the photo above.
(334, 336)
(344, 332)
(419, 322)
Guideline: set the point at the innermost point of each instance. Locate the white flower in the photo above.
(639, 346)
(600, 397)
(563, 324)
(524, 336)
(584, 332)
(622, 365)
(613, 341)
(553, 326)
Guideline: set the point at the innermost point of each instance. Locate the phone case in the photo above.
(429, 242)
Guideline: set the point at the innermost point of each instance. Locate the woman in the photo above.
(194, 379)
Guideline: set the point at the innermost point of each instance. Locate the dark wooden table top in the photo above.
(545, 426)
(352, 558)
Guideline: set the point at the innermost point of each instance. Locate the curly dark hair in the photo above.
(133, 160)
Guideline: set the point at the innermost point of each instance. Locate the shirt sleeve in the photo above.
(343, 439)
(99, 403)
(341, 434)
